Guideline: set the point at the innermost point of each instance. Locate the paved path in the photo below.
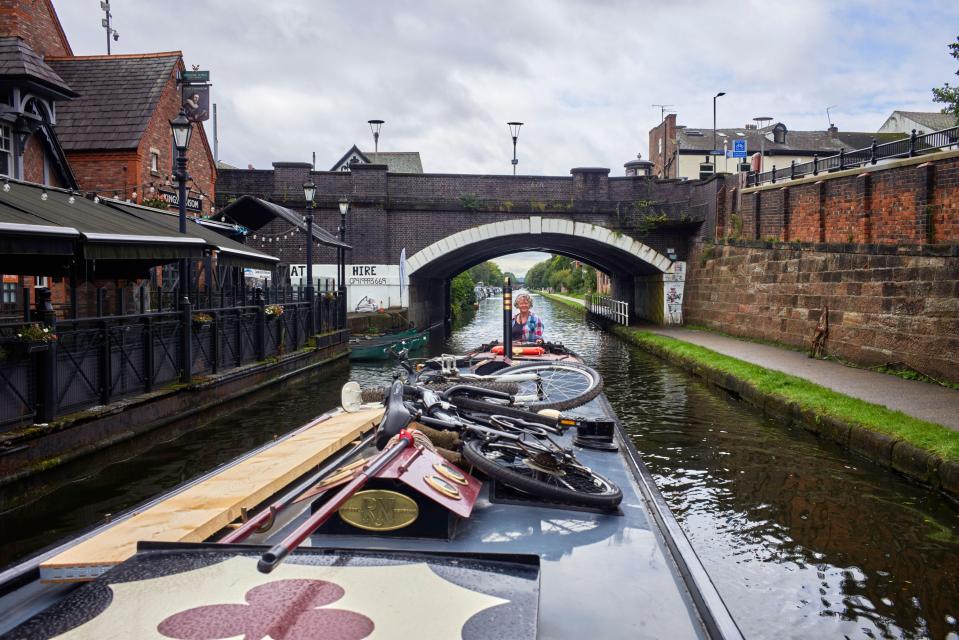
(919, 399)
(573, 300)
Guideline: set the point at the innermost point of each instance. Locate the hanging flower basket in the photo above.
(202, 319)
(273, 310)
(35, 337)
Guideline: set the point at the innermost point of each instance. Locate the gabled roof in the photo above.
(933, 120)
(395, 161)
(255, 213)
(354, 150)
(20, 63)
(118, 96)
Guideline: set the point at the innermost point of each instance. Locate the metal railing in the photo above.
(615, 310)
(914, 145)
(97, 360)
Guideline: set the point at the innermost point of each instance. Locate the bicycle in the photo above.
(539, 385)
(517, 448)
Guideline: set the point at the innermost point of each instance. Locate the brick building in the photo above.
(105, 130)
(116, 134)
(677, 150)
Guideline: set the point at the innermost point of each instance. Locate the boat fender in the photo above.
(519, 351)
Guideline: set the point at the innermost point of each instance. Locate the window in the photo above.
(6, 146)
(154, 161)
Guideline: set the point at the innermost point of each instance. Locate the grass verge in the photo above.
(810, 397)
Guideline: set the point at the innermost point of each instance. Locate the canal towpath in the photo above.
(921, 400)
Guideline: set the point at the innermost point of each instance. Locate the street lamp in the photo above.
(375, 126)
(182, 130)
(514, 132)
(718, 95)
(760, 124)
(309, 191)
(344, 209)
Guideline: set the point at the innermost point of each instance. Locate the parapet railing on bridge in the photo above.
(909, 147)
(615, 310)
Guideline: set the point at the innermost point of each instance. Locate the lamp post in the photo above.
(718, 95)
(309, 191)
(514, 132)
(375, 126)
(760, 124)
(344, 209)
(182, 130)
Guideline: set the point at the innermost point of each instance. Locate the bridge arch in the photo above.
(580, 232)
(637, 270)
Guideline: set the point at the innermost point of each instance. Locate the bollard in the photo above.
(507, 319)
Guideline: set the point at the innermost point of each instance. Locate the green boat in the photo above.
(380, 347)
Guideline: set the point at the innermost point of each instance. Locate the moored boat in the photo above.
(380, 347)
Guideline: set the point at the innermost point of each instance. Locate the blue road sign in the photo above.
(739, 148)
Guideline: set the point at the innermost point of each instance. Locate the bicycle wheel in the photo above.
(561, 385)
(541, 474)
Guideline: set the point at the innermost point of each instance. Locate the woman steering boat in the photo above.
(526, 327)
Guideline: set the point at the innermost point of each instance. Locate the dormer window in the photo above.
(779, 133)
(6, 146)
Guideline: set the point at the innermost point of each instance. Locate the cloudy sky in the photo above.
(293, 77)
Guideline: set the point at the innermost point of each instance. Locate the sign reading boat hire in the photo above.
(368, 275)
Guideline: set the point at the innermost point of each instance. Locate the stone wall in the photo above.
(885, 305)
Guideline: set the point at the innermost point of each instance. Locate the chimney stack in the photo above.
(751, 126)
(833, 131)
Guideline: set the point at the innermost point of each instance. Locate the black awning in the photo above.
(230, 253)
(255, 213)
(105, 233)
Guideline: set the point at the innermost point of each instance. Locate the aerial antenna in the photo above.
(828, 117)
(662, 110)
(105, 5)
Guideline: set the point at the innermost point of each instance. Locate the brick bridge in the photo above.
(635, 229)
(878, 246)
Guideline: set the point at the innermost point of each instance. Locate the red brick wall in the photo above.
(200, 163)
(36, 22)
(666, 131)
(105, 172)
(884, 306)
(912, 204)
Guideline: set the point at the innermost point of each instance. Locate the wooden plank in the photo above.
(203, 509)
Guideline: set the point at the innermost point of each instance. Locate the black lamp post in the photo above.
(720, 94)
(309, 191)
(182, 130)
(514, 132)
(344, 209)
(375, 126)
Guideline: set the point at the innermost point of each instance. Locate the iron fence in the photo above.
(615, 310)
(97, 360)
(912, 146)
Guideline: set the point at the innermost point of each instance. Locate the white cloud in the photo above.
(294, 77)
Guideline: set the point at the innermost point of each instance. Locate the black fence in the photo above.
(97, 360)
(914, 145)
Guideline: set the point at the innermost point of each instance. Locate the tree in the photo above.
(946, 94)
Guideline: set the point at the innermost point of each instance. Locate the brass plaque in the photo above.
(379, 510)
(450, 473)
(443, 486)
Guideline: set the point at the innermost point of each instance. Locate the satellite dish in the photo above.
(351, 397)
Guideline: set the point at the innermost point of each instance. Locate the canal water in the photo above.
(801, 540)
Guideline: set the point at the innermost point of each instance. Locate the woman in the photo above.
(527, 327)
